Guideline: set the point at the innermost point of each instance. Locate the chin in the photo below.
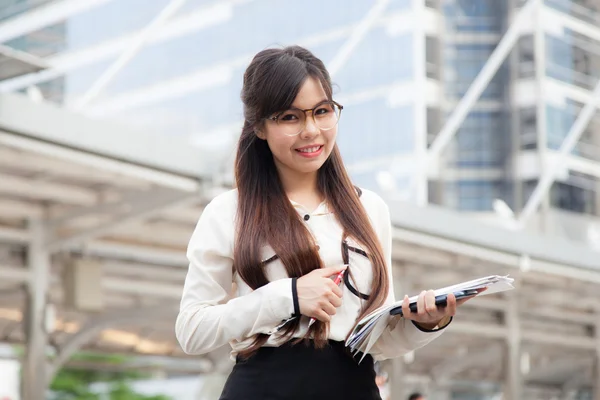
(310, 170)
(307, 168)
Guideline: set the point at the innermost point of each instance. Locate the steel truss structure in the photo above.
(63, 216)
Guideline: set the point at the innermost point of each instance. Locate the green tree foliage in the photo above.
(74, 383)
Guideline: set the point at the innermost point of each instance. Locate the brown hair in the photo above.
(265, 215)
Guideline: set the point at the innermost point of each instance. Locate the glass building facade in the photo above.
(398, 86)
(477, 157)
(186, 81)
(44, 42)
(501, 132)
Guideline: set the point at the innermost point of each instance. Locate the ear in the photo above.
(260, 133)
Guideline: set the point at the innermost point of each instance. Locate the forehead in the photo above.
(311, 93)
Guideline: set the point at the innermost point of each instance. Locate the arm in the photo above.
(401, 336)
(208, 316)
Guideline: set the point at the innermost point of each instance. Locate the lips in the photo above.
(310, 152)
(311, 149)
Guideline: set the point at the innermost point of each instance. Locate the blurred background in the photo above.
(475, 119)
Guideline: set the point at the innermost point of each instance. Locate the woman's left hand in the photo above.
(428, 315)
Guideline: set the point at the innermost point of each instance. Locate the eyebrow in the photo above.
(317, 104)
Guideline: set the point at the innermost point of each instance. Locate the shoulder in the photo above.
(216, 225)
(223, 205)
(376, 208)
(372, 201)
(220, 212)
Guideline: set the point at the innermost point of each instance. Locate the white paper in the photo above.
(370, 328)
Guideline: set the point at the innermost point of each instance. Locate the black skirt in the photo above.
(302, 372)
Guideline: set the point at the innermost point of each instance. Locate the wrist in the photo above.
(430, 326)
(427, 325)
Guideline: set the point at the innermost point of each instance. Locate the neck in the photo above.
(299, 184)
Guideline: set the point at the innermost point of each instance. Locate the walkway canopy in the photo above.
(95, 218)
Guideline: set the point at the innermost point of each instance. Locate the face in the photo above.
(305, 152)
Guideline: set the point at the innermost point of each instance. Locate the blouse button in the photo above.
(306, 217)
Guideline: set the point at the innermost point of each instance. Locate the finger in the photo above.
(451, 305)
(329, 308)
(430, 307)
(329, 271)
(337, 291)
(333, 287)
(322, 316)
(406, 308)
(335, 301)
(421, 304)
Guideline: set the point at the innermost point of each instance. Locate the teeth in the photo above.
(310, 149)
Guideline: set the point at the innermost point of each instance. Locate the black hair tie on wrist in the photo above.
(295, 297)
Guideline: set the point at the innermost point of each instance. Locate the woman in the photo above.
(294, 222)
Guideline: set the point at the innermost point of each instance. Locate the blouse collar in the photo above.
(321, 209)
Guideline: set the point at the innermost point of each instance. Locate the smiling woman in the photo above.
(301, 144)
(294, 222)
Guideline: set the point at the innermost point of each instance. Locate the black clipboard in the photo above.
(441, 300)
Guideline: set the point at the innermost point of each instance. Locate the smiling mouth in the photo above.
(309, 150)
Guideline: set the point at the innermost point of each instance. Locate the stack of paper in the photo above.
(370, 328)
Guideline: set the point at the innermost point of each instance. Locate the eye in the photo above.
(324, 110)
(289, 116)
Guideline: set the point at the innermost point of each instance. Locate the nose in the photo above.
(310, 129)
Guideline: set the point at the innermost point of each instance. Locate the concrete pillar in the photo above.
(513, 387)
(596, 372)
(396, 381)
(397, 368)
(34, 377)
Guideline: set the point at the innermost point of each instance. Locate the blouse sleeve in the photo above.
(208, 316)
(401, 336)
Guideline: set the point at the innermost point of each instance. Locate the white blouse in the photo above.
(213, 313)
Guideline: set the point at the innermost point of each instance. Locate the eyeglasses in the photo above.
(291, 122)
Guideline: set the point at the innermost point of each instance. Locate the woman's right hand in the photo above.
(318, 296)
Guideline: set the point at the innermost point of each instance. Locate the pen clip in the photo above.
(338, 278)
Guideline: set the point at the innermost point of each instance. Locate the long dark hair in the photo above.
(265, 215)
